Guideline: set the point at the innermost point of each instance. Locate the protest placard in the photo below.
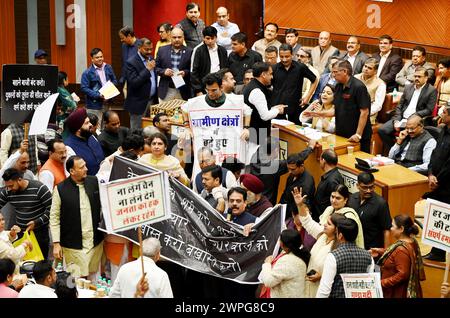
(128, 203)
(199, 238)
(24, 88)
(365, 285)
(41, 116)
(436, 225)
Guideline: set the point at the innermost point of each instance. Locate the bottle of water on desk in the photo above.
(394, 95)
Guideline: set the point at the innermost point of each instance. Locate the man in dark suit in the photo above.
(390, 63)
(418, 99)
(207, 58)
(141, 79)
(354, 55)
(174, 59)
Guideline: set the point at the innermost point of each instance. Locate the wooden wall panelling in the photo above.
(116, 45)
(98, 28)
(410, 23)
(247, 15)
(63, 55)
(44, 34)
(8, 43)
(21, 29)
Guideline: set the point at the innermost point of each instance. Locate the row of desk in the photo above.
(399, 186)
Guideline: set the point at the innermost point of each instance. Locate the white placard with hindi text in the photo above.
(128, 203)
(436, 225)
(365, 285)
(41, 116)
(109, 90)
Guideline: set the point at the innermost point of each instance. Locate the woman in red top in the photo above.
(401, 263)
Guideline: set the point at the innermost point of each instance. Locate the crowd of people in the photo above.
(51, 186)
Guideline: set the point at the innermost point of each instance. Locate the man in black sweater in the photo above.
(32, 201)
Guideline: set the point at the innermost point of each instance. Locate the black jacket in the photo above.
(70, 217)
(201, 65)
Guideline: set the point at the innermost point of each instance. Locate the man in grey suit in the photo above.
(418, 99)
(390, 63)
(354, 55)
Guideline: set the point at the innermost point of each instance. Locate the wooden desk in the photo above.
(399, 186)
(297, 142)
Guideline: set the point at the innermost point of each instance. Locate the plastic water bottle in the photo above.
(59, 267)
(99, 282)
(394, 95)
(108, 287)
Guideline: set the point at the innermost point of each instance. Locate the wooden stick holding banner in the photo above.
(26, 128)
(447, 265)
(135, 202)
(141, 251)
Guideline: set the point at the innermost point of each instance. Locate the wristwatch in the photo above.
(359, 136)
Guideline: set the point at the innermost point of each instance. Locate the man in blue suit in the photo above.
(141, 79)
(173, 60)
(93, 80)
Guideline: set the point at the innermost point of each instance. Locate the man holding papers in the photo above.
(92, 81)
(173, 64)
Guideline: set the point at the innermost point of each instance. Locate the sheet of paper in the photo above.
(282, 122)
(41, 116)
(75, 97)
(178, 80)
(109, 90)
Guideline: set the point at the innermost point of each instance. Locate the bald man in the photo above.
(174, 59)
(225, 28)
(323, 51)
(414, 146)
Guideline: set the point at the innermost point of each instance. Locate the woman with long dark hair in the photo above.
(338, 199)
(284, 276)
(401, 263)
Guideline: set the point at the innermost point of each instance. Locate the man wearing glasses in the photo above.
(419, 99)
(414, 146)
(352, 106)
(373, 212)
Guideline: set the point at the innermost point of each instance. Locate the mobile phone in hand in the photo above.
(311, 272)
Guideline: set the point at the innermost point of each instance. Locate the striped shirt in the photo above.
(32, 204)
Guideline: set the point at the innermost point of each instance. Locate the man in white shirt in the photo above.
(390, 63)
(130, 275)
(225, 28)
(206, 58)
(257, 96)
(414, 146)
(354, 55)
(419, 98)
(19, 160)
(45, 276)
(347, 258)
